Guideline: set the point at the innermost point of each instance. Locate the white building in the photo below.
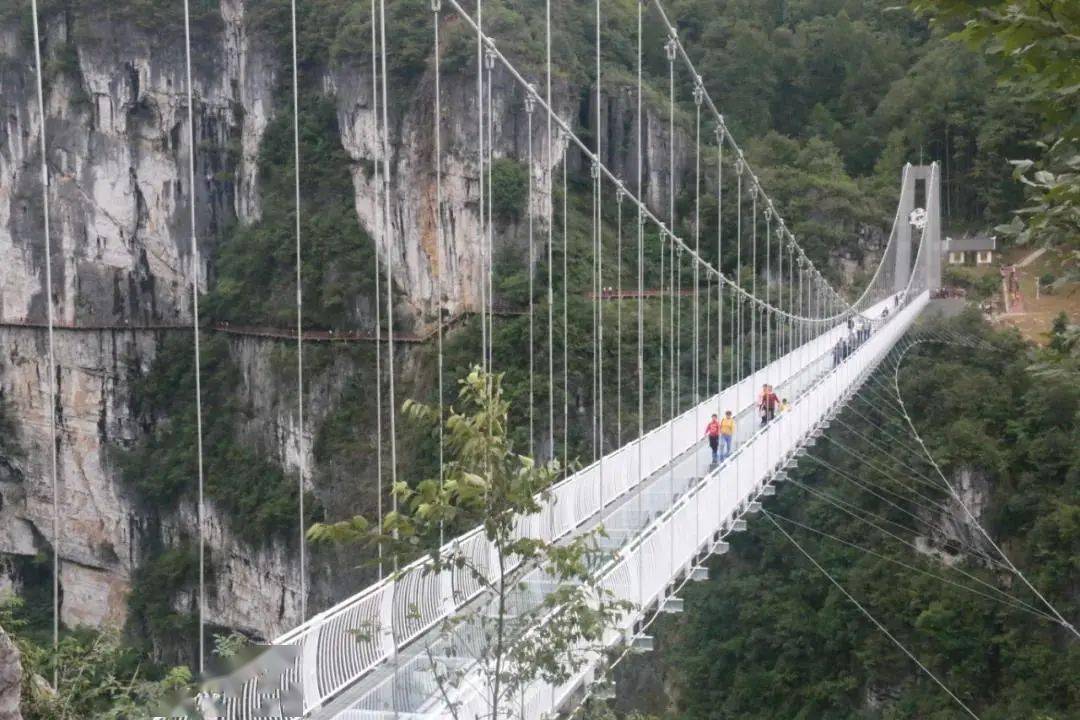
(970, 250)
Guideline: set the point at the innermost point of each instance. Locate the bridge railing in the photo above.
(643, 571)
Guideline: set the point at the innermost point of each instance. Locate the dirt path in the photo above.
(1031, 258)
(1039, 313)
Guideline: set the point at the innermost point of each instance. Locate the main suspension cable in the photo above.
(589, 155)
(671, 31)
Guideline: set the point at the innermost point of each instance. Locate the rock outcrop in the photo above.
(11, 673)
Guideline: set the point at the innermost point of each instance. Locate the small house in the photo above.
(970, 249)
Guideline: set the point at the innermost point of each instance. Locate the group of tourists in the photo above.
(858, 333)
(721, 431)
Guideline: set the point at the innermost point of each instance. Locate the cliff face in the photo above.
(10, 678)
(121, 256)
(117, 156)
(117, 133)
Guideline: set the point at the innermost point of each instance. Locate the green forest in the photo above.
(829, 98)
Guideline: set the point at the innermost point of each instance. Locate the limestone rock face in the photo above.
(10, 678)
(117, 155)
(93, 514)
(955, 527)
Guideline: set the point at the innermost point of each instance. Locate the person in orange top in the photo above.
(712, 431)
(727, 433)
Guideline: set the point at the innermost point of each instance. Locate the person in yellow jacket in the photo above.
(727, 433)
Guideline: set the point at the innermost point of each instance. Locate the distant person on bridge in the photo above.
(727, 433)
(712, 431)
(767, 404)
(784, 406)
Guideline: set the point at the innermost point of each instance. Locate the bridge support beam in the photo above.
(902, 268)
(914, 174)
(933, 236)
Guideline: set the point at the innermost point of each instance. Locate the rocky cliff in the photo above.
(117, 153)
(11, 676)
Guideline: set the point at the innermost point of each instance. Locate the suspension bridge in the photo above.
(770, 317)
(664, 507)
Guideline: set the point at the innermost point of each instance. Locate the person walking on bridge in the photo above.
(767, 404)
(712, 431)
(727, 433)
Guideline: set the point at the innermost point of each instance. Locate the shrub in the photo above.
(509, 189)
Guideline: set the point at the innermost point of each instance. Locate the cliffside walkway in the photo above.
(264, 331)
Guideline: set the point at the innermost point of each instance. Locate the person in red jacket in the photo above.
(712, 431)
(767, 404)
